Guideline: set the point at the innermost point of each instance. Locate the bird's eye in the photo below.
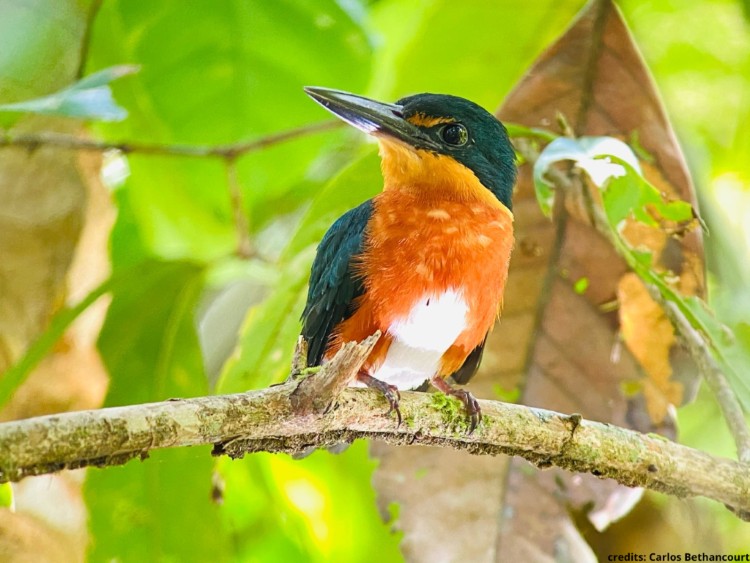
(454, 134)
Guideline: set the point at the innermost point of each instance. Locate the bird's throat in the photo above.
(430, 176)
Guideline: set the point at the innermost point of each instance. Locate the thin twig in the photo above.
(266, 421)
(32, 141)
(699, 349)
(244, 244)
(712, 373)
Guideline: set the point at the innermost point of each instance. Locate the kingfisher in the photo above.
(425, 261)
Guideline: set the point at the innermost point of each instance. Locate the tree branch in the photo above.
(265, 420)
(316, 394)
(32, 141)
(712, 373)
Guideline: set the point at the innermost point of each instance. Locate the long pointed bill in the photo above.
(370, 116)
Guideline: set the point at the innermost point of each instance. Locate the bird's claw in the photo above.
(393, 396)
(472, 408)
(470, 402)
(390, 392)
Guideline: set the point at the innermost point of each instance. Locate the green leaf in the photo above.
(160, 510)
(148, 341)
(731, 348)
(632, 194)
(470, 48)
(318, 509)
(222, 73)
(358, 181)
(678, 211)
(44, 343)
(181, 207)
(89, 98)
(156, 510)
(269, 333)
(613, 167)
(232, 287)
(622, 198)
(41, 48)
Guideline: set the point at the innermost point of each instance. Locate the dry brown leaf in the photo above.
(561, 348)
(42, 201)
(649, 336)
(51, 526)
(25, 539)
(50, 510)
(55, 218)
(73, 376)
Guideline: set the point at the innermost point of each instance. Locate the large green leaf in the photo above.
(148, 341)
(157, 510)
(474, 48)
(215, 73)
(160, 510)
(37, 54)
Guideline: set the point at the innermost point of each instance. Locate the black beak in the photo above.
(370, 116)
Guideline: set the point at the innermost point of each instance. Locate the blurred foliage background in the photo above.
(218, 73)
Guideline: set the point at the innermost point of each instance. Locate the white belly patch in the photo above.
(421, 338)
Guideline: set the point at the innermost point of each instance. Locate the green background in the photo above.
(232, 71)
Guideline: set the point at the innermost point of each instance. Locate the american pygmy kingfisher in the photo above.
(425, 261)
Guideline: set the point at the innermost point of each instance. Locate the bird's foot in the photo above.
(391, 392)
(469, 401)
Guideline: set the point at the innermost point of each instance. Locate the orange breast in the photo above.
(419, 244)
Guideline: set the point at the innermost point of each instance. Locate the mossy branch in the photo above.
(266, 420)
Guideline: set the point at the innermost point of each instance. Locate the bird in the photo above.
(426, 260)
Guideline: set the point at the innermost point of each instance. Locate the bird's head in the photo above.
(437, 144)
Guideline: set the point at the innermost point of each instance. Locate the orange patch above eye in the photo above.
(423, 120)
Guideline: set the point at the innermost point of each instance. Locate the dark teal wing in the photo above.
(334, 285)
(463, 374)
